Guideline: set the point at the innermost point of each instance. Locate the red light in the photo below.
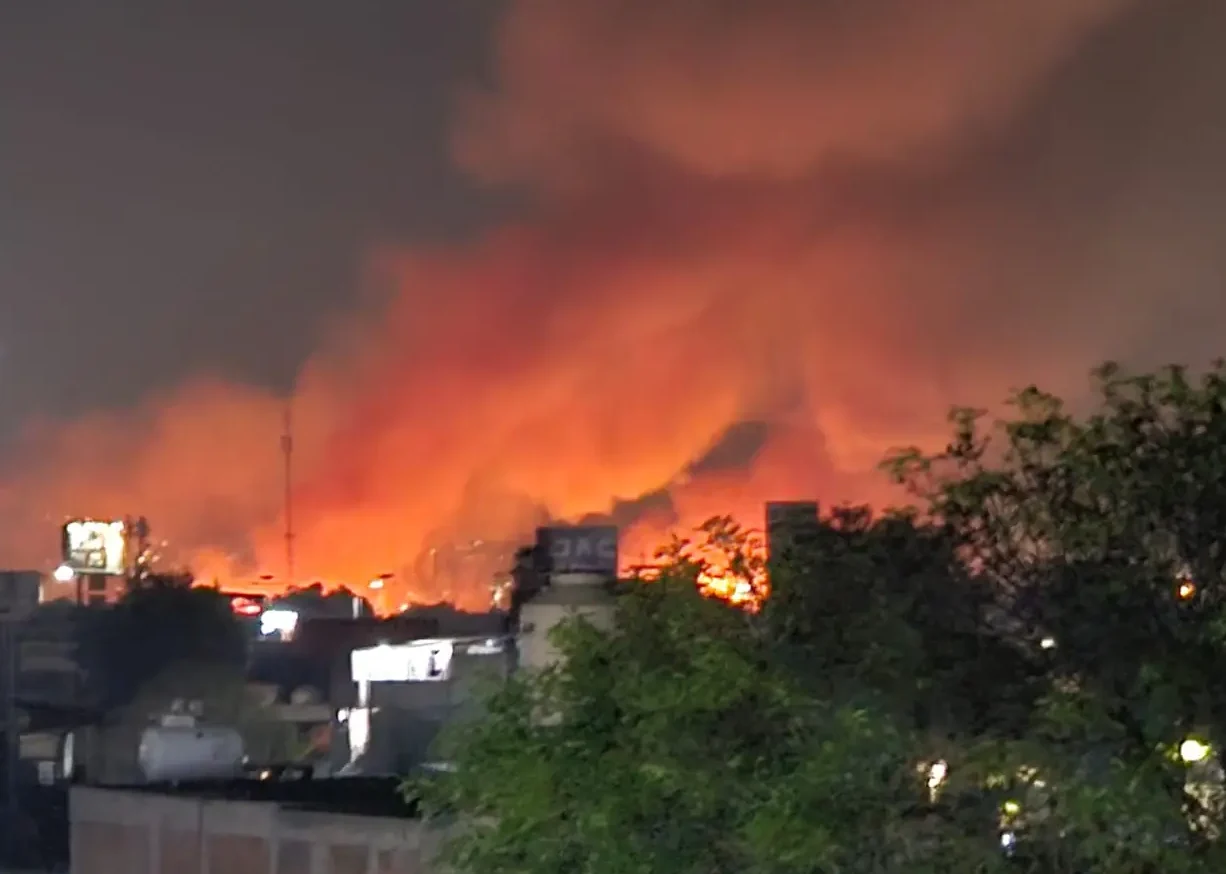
(245, 606)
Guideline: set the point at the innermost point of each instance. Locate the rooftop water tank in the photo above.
(180, 752)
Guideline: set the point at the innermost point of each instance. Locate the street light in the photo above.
(64, 574)
(1193, 751)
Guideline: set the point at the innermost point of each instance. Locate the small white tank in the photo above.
(169, 753)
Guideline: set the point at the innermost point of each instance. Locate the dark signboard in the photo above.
(790, 513)
(789, 524)
(578, 549)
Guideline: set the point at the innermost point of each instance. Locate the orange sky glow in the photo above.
(708, 303)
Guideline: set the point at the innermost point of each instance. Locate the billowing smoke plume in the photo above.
(764, 90)
(767, 242)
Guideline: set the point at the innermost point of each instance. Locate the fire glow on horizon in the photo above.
(711, 304)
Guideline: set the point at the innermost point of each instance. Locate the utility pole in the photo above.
(136, 533)
(287, 449)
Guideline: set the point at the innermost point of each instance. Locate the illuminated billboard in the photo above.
(95, 547)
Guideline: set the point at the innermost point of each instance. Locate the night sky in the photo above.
(194, 190)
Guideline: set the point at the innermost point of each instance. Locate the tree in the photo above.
(692, 736)
(314, 600)
(124, 646)
(1105, 539)
(999, 679)
(882, 605)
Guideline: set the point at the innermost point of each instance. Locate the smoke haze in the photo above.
(762, 244)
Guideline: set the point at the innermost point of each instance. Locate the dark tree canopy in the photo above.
(125, 645)
(315, 600)
(883, 604)
(1002, 678)
(1107, 535)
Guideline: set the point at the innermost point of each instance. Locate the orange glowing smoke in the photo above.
(768, 214)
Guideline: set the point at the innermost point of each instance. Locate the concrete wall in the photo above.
(407, 717)
(125, 832)
(584, 594)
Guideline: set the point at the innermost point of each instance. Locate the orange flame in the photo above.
(735, 590)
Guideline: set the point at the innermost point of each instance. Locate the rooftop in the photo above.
(357, 796)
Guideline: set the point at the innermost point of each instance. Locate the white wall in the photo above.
(568, 595)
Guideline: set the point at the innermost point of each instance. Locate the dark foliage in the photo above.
(1048, 625)
(126, 645)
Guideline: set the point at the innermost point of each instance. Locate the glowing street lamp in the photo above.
(1193, 751)
(64, 574)
(937, 774)
(1185, 583)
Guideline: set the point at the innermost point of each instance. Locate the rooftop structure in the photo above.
(354, 796)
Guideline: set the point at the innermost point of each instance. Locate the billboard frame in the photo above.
(578, 549)
(82, 538)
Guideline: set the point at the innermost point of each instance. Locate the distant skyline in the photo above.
(192, 187)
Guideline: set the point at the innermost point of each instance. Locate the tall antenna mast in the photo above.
(287, 449)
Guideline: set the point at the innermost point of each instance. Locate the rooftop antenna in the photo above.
(287, 449)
